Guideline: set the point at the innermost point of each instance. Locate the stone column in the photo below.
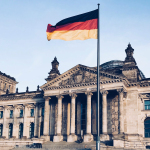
(46, 119)
(88, 137)
(25, 122)
(59, 137)
(36, 123)
(121, 115)
(15, 125)
(104, 96)
(5, 124)
(72, 137)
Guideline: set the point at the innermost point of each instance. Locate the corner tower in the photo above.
(54, 71)
(130, 70)
(129, 60)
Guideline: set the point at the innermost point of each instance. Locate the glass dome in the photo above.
(117, 63)
(112, 64)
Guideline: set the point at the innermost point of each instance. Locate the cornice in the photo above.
(7, 76)
(21, 96)
(144, 84)
(87, 84)
(129, 68)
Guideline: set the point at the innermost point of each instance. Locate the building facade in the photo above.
(64, 108)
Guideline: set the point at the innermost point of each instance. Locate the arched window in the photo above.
(5, 86)
(147, 127)
(20, 130)
(41, 129)
(1, 130)
(31, 130)
(10, 130)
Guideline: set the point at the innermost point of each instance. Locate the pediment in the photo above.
(78, 75)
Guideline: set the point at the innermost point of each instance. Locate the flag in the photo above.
(80, 27)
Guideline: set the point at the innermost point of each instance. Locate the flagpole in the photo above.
(98, 86)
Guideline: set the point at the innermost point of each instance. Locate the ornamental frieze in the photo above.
(79, 77)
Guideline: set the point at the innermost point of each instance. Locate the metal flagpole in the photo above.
(98, 86)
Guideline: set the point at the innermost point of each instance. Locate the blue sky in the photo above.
(27, 55)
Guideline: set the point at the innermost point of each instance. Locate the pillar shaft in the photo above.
(15, 125)
(5, 129)
(46, 116)
(25, 123)
(88, 123)
(36, 120)
(104, 95)
(121, 115)
(59, 117)
(73, 98)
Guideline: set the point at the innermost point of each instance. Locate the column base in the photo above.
(24, 137)
(104, 137)
(46, 137)
(118, 143)
(57, 138)
(71, 138)
(88, 138)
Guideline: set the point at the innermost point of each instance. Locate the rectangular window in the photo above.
(1, 130)
(42, 112)
(21, 112)
(147, 104)
(11, 113)
(1, 114)
(32, 112)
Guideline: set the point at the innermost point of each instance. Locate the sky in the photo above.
(26, 54)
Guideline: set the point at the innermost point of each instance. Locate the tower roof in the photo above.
(55, 61)
(129, 60)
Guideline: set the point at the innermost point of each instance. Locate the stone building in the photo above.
(64, 108)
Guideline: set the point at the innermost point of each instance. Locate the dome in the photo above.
(112, 64)
(117, 63)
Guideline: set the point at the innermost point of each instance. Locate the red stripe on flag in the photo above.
(87, 25)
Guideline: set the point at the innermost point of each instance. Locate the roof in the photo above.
(8, 76)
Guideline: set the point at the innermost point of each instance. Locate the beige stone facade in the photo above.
(65, 107)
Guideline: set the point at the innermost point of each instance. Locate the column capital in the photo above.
(9, 107)
(88, 93)
(36, 104)
(19, 106)
(104, 92)
(25, 105)
(72, 95)
(59, 96)
(1, 107)
(120, 91)
(41, 104)
(47, 98)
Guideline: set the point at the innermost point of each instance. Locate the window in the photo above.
(42, 112)
(147, 104)
(41, 129)
(21, 112)
(1, 114)
(147, 127)
(11, 113)
(1, 130)
(32, 112)
(10, 130)
(9, 87)
(31, 131)
(21, 130)
(5, 86)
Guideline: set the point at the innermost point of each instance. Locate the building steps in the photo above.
(76, 146)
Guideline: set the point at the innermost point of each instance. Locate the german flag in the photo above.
(80, 27)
